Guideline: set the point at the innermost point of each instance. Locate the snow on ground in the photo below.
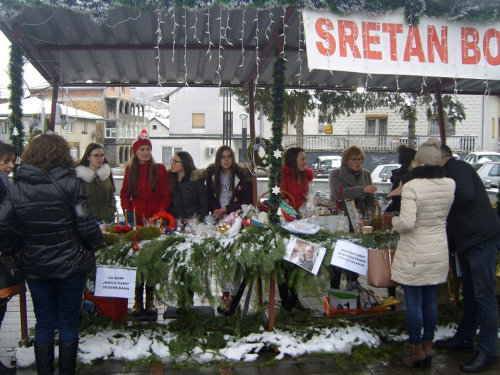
(133, 345)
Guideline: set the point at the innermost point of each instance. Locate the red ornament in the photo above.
(135, 247)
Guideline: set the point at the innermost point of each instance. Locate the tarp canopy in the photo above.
(163, 44)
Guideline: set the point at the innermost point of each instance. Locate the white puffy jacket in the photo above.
(422, 253)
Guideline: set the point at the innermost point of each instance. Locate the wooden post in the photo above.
(439, 103)
(55, 92)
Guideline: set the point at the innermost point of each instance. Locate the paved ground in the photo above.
(443, 363)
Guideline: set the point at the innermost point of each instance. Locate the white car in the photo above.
(324, 164)
(380, 170)
(481, 157)
(491, 172)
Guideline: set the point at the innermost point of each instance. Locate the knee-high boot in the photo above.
(68, 351)
(44, 359)
(150, 300)
(138, 305)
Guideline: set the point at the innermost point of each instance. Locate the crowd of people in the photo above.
(50, 211)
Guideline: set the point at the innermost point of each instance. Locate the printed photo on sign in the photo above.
(305, 254)
(350, 257)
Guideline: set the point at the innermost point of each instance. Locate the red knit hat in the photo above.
(142, 140)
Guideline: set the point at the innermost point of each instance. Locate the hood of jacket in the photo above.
(427, 171)
(198, 174)
(87, 174)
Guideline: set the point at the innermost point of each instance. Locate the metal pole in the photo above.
(243, 116)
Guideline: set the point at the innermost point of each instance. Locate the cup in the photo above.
(367, 229)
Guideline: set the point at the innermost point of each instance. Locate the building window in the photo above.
(376, 126)
(121, 131)
(5, 127)
(84, 128)
(198, 120)
(73, 152)
(71, 127)
(167, 152)
(155, 127)
(110, 129)
(111, 109)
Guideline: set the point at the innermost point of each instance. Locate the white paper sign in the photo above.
(305, 254)
(350, 257)
(386, 44)
(115, 282)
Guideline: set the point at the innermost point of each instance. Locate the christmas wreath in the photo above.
(166, 219)
(258, 152)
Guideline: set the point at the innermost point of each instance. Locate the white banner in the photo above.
(385, 44)
(115, 282)
(350, 257)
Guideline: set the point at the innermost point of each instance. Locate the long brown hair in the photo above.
(8, 151)
(188, 165)
(46, 152)
(218, 171)
(290, 159)
(85, 159)
(133, 175)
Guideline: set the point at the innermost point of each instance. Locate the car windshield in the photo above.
(489, 157)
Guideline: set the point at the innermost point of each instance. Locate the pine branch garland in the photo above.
(16, 70)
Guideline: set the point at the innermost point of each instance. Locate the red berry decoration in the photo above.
(135, 247)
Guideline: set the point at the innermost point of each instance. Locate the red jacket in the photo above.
(291, 185)
(146, 202)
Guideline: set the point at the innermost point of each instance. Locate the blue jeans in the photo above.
(478, 264)
(57, 303)
(421, 311)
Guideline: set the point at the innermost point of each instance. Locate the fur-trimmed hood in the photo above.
(198, 174)
(241, 170)
(88, 175)
(427, 171)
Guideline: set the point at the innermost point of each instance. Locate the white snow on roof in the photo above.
(32, 106)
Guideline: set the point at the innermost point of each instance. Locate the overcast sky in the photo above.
(31, 76)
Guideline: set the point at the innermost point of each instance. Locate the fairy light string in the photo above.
(159, 37)
(242, 39)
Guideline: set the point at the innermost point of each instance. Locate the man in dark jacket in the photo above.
(474, 235)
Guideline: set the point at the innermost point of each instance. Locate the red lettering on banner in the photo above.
(414, 45)
(322, 27)
(350, 38)
(368, 40)
(488, 35)
(469, 45)
(440, 44)
(393, 29)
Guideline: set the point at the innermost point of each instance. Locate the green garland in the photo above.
(476, 11)
(177, 263)
(16, 70)
(278, 120)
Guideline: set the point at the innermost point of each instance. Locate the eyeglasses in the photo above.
(173, 161)
(98, 156)
(359, 160)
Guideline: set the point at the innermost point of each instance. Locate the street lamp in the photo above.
(243, 116)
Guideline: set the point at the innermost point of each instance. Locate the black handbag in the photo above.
(11, 278)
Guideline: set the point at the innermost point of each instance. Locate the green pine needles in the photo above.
(16, 70)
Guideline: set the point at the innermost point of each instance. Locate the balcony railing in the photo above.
(380, 143)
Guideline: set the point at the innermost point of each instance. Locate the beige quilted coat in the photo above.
(422, 254)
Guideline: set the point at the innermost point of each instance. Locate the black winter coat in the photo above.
(190, 196)
(57, 240)
(398, 175)
(472, 218)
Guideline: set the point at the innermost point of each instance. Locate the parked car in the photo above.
(324, 164)
(378, 172)
(478, 158)
(490, 171)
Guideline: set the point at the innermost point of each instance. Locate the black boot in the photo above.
(44, 358)
(68, 352)
(6, 370)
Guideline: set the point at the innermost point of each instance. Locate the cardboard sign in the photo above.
(115, 282)
(350, 257)
(305, 254)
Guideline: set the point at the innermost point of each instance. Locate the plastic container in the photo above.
(112, 307)
(329, 311)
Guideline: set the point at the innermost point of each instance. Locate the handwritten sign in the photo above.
(350, 257)
(115, 282)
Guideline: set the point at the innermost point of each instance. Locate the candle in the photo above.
(125, 215)
(117, 218)
(135, 222)
(339, 200)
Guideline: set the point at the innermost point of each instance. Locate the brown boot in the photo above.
(138, 305)
(427, 348)
(416, 357)
(150, 301)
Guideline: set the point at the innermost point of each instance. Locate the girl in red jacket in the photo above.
(145, 189)
(296, 179)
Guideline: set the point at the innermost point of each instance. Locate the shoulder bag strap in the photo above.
(58, 187)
